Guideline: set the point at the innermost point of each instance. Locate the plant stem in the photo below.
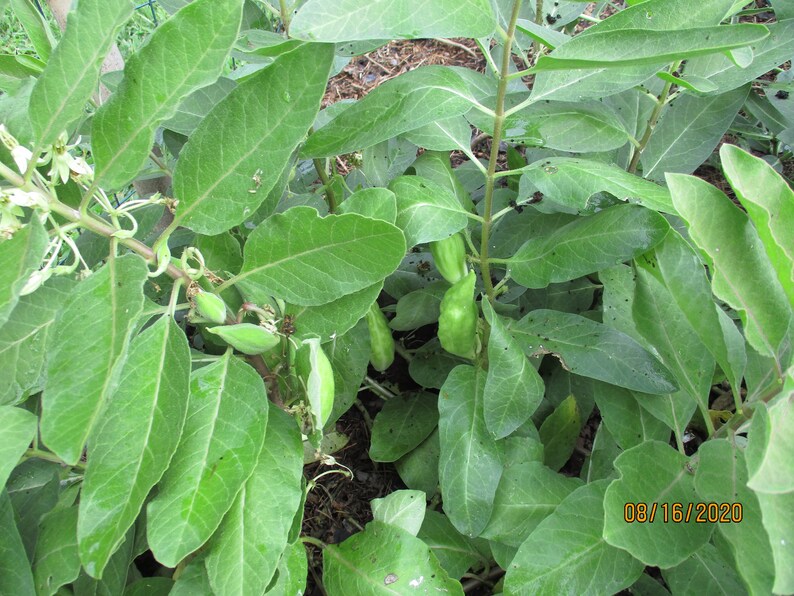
(652, 121)
(330, 197)
(313, 541)
(284, 15)
(47, 456)
(496, 140)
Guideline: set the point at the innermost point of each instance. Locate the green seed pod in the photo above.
(246, 337)
(381, 342)
(211, 307)
(457, 322)
(314, 369)
(450, 257)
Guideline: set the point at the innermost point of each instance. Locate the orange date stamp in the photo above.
(683, 513)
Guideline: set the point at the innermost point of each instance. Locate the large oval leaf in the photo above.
(399, 105)
(156, 79)
(310, 260)
(222, 438)
(17, 577)
(259, 125)
(72, 72)
(741, 273)
(587, 244)
(134, 441)
(592, 350)
(471, 461)
(81, 376)
(17, 427)
(20, 256)
(350, 20)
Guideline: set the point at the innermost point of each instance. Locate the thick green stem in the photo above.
(652, 121)
(285, 16)
(490, 179)
(330, 197)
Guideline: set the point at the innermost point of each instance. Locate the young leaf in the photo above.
(384, 559)
(513, 388)
(56, 562)
(244, 553)
(80, 380)
(426, 211)
(350, 20)
(587, 244)
(19, 257)
(628, 423)
(403, 423)
(134, 441)
(259, 125)
(33, 487)
(572, 182)
(721, 477)
(26, 340)
(36, 26)
(377, 203)
(653, 473)
(16, 576)
(17, 427)
(567, 554)
(688, 132)
(455, 552)
(418, 469)
(403, 509)
(221, 440)
(399, 105)
(705, 572)
(72, 72)
(292, 571)
(349, 354)
(471, 461)
(593, 350)
(528, 493)
(770, 204)
(559, 433)
(156, 79)
(310, 260)
(742, 275)
(639, 47)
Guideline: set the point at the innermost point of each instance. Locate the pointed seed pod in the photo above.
(211, 307)
(314, 369)
(457, 321)
(381, 342)
(246, 337)
(449, 255)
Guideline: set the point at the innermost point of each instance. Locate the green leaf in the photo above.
(310, 260)
(259, 125)
(150, 586)
(660, 542)
(134, 441)
(587, 244)
(686, 280)
(36, 26)
(72, 72)
(628, 423)
(377, 203)
(470, 464)
(198, 104)
(513, 388)
(567, 554)
(426, 211)
(156, 80)
(455, 552)
(33, 487)
(559, 433)
(384, 559)
(334, 318)
(114, 578)
(769, 202)
(721, 477)
(245, 551)
(768, 468)
(572, 182)
(81, 376)
(577, 127)
(223, 435)
(292, 571)
(349, 355)
(778, 521)
(350, 20)
(418, 469)
(528, 493)
(592, 350)
(403, 509)
(403, 423)
(420, 307)
(17, 427)
(16, 576)
(666, 328)
(56, 562)
(705, 572)
(399, 105)
(639, 47)
(741, 273)
(688, 132)
(768, 54)
(19, 257)
(26, 340)
(450, 134)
